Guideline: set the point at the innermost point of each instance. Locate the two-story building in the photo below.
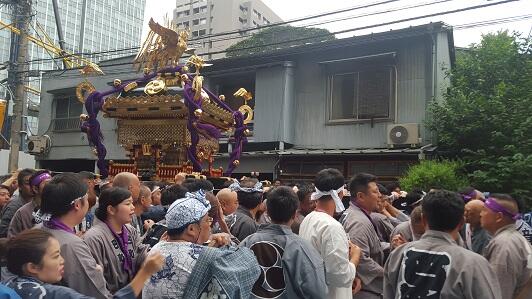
(355, 104)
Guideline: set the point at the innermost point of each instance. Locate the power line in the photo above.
(492, 22)
(353, 29)
(329, 21)
(377, 12)
(404, 35)
(206, 37)
(303, 18)
(371, 26)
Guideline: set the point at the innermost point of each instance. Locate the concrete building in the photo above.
(208, 17)
(326, 104)
(88, 26)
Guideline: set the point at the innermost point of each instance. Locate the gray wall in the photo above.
(302, 119)
(74, 144)
(290, 97)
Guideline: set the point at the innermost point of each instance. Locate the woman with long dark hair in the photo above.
(113, 242)
(34, 256)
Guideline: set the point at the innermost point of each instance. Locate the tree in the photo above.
(288, 35)
(486, 116)
(434, 174)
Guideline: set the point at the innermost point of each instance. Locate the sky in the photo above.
(292, 9)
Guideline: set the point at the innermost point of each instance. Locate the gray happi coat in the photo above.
(22, 220)
(436, 267)
(244, 224)
(363, 234)
(405, 229)
(82, 273)
(303, 272)
(107, 253)
(510, 256)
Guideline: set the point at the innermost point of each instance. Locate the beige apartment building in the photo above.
(205, 18)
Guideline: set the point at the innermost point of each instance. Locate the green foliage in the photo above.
(284, 34)
(434, 174)
(486, 116)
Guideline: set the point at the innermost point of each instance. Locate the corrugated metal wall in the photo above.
(310, 118)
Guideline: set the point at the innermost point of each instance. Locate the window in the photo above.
(195, 22)
(266, 21)
(186, 24)
(202, 32)
(203, 9)
(243, 9)
(195, 34)
(243, 21)
(67, 111)
(257, 14)
(203, 21)
(362, 95)
(195, 10)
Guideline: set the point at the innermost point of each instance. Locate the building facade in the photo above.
(89, 26)
(205, 18)
(327, 104)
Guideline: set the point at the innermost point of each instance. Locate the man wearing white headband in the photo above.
(328, 236)
(363, 232)
(249, 193)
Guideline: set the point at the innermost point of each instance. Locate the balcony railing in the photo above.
(66, 124)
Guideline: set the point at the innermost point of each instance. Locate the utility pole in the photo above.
(18, 71)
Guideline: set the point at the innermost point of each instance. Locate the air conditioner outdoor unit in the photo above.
(403, 134)
(38, 145)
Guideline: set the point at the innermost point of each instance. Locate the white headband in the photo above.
(334, 194)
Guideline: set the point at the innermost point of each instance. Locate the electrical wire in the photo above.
(204, 37)
(349, 30)
(329, 21)
(129, 71)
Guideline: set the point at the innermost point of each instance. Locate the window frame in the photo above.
(69, 117)
(330, 74)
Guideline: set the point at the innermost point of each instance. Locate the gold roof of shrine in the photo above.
(136, 106)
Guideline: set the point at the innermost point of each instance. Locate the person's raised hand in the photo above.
(398, 240)
(148, 224)
(219, 240)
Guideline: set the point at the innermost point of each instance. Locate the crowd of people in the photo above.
(72, 235)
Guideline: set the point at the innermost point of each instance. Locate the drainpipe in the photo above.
(421, 155)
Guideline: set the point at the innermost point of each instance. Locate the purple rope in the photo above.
(95, 101)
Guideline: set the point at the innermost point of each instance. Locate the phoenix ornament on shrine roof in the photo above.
(163, 47)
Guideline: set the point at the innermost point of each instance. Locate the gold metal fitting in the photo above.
(198, 112)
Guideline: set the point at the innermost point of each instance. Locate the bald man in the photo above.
(228, 200)
(129, 181)
(229, 203)
(142, 205)
(408, 231)
(476, 237)
(509, 253)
